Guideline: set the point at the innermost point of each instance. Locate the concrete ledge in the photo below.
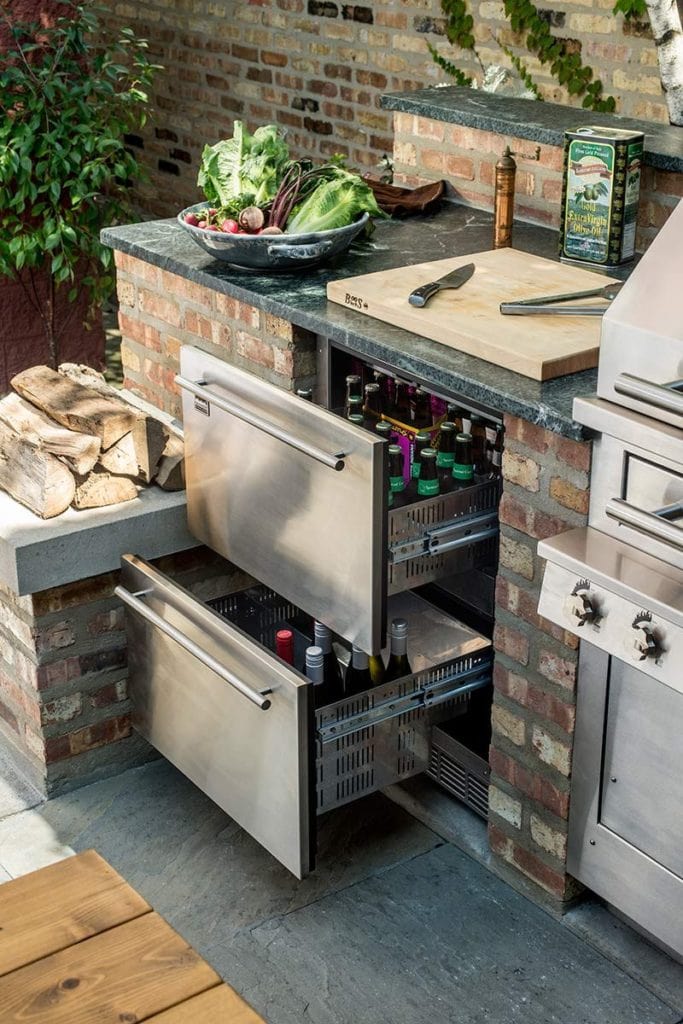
(37, 554)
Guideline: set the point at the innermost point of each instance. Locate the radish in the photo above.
(231, 227)
(212, 227)
(191, 218)
(201, 224)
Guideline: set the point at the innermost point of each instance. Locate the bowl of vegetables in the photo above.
(264, 211)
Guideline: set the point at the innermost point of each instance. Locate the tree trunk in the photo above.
(666, 29)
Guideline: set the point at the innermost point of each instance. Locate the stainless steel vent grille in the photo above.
(460, 771)
(431, 539)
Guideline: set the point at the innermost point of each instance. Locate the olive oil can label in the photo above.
(634, 158)
(588, 203)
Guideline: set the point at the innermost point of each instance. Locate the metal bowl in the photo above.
(272, 252)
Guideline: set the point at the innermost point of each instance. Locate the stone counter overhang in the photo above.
(301, 299)
(544, 123)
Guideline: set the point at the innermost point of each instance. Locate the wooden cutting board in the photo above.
(469, 319)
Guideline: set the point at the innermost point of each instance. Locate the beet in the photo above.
(251, 219)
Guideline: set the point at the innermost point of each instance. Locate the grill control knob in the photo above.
(643, 642)
(580, 608)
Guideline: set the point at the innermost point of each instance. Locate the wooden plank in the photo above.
(128, 973)
(74, 406)
(221, 1005)
(60, 905)
(77, 451)
(32, 476)
(469, 319)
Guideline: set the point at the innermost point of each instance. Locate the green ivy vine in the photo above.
(566, 67)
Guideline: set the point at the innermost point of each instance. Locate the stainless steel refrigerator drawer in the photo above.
(296, 496)
(239, 722)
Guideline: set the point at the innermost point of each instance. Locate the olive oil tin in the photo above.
(600, 192)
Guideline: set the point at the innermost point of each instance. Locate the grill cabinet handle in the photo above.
(200, 389)
(659, 395)
(645, 522)
(139, 606)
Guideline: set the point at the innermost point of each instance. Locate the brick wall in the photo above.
(545, 492)
(158, 312)
(64, 702)
(319, 67)
(427, 150)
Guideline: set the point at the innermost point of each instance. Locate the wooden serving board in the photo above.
(468, 319)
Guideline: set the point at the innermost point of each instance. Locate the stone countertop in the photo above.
(528, 119)
(301, 299)
(36, 554)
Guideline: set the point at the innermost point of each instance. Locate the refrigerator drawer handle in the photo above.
(646, 522)
(139, 606)
(200, 389)
(659, 395)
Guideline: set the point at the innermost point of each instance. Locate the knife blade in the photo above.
(454, 279)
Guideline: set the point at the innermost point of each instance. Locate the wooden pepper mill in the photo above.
(504, 200)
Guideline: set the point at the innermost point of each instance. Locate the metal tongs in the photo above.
(544, 303)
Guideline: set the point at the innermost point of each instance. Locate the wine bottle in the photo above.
(398, 664)
(284, 645)
(376, 669)
(497, 451)
(357, 678)
(314, 670)
(479, 459)
(332, 685)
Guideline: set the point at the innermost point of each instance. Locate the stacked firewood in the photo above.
(69, 439)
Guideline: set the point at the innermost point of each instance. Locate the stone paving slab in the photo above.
(436, 940)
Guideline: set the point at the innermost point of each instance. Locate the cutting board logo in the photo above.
(355, 301)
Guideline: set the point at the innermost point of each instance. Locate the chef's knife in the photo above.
(455, 279)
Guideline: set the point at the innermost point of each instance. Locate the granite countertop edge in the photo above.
(663, 147)
(469, 379)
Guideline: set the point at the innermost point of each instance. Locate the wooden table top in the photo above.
(78, 945)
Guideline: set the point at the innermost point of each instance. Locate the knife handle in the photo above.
(422, 294)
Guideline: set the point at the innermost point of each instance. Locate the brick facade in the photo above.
(159, 312)
(319, 67)
(427, 150)
(64, 702)
(545, 492)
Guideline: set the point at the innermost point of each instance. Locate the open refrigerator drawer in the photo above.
(210, 694)
(297, 496)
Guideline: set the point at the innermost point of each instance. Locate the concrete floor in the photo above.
(396, 926)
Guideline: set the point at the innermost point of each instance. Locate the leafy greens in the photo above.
(335, 203)
(246, 168)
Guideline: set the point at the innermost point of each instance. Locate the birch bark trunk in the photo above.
(665, 20)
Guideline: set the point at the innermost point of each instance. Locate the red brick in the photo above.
(112, 693)
(425, 128)
(278, 60)
(531, 784)
(180, 288)
(511, 642)
(529, 520)
(545, 705)
(487, 173)
(521, 470)
(459, 167)
(106, 622)
(431, 159)
(197, 324)
(9, 717)
(576, 454)
(552, 191)
(97, 735)
(95, 588)
(137, 330)
(257, 351)
(552, 880)
(57, 748)
(160, 307)
(529, 434)
(557, 669)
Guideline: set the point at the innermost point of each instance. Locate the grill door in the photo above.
(290, 492)
(232, 717)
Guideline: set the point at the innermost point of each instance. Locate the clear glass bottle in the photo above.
(398, 664)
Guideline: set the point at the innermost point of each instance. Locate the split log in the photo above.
(74, 406)
(100, 488)
(32, 476)
(171, 472)
(122, 458)
(77, 451)
(149, 434)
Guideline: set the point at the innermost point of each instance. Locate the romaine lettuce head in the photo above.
(245, 164)
(334, 204)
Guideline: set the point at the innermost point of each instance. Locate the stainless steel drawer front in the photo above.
(289, 492)
(197, 687)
